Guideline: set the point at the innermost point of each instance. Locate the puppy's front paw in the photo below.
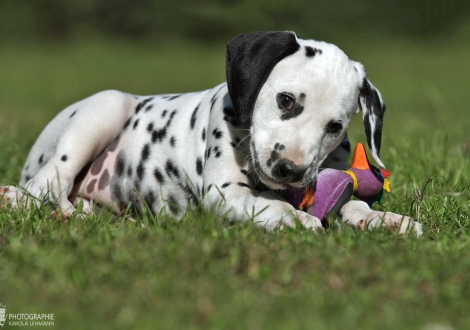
(359, 215)
(392, 221)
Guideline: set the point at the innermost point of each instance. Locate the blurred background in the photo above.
(214, 20)
(417, 52)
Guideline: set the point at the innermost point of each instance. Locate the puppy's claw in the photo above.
(361, 225)
(310, 222)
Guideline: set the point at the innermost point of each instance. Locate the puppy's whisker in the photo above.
(243, 139)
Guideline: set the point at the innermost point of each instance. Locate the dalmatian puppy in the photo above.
(284, 109)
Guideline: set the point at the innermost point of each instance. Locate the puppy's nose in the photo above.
(287, 171)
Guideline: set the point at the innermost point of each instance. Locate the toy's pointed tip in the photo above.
(359, 159)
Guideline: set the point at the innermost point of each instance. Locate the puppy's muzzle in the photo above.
(287, 171)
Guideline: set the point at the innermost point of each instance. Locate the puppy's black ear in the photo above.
(250, 59)
(373, 109)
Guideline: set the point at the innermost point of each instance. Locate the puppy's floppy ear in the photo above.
(250, 59)
(373, 109)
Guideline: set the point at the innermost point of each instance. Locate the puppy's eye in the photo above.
(287, 102)
(334, 127)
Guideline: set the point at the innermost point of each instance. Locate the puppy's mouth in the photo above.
(268, 180)
(273, 182)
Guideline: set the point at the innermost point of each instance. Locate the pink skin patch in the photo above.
(95, 184)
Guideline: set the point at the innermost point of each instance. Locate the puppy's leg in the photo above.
(75, 137)
(358, 214)
(267, 209)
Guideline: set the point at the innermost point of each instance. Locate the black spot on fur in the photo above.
(311, 52)
(41, 159)
(173, 113)
(159, 135)
(225, 185)
(140, 171)
(204, 134)
(213, 100)
(217, 134)
(150, 127)
(129, 171)
(218, 152)
(127, 123)
(173, 204)
(274, 156)
(172, 141)
(149, 107)
(149, 199)
(199, 166)
(242, 184)
(193, 118)
(298, 109)
(135, 124)
(142, 104)
(279, 146)
(189, 193)
(171, 169)
(120, 165)
(73, 114)
(27, 178)
(145, 152)
(245, 172)
(158, 175)
(64, 158)
(173, 97)
(208, 152)
(164, 113)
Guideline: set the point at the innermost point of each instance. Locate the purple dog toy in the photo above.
(334, 188)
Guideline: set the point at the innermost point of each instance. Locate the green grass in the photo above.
(202, 272)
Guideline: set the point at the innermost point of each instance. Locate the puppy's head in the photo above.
(298, 96)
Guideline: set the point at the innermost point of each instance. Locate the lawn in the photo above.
(203, 272)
